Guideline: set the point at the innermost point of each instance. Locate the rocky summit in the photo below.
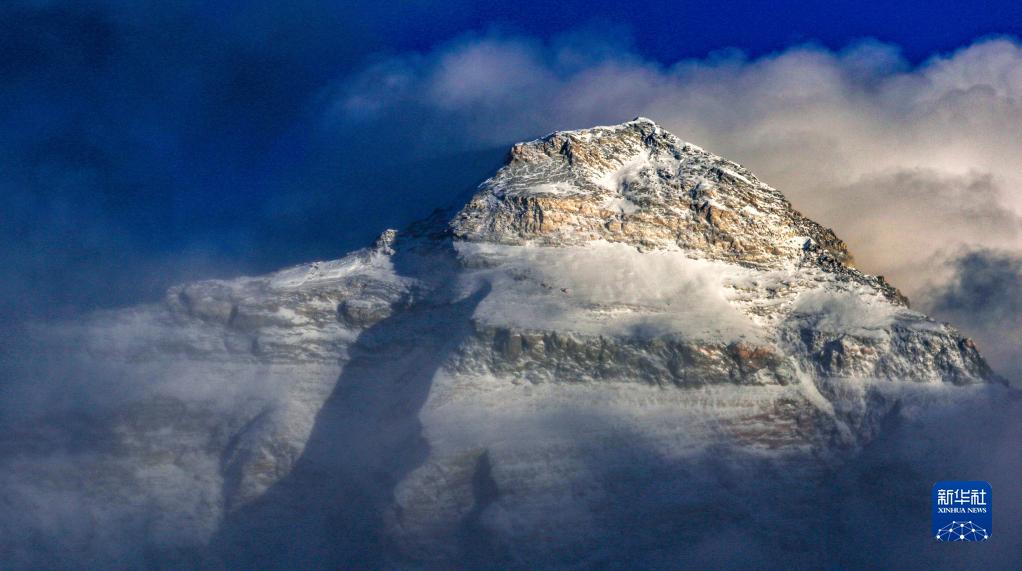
(581, 362)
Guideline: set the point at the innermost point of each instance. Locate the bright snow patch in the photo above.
(557, 189)
(608, 289)
(617, 180)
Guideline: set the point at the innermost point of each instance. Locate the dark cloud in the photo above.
(987, 285)
(984, 299)
(144, 143)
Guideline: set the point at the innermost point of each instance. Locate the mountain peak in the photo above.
(641, 119)
(638, 123)
(638, 184)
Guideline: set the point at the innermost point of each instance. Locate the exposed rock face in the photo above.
(638, 184)
(614, 308)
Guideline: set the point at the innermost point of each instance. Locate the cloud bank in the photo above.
(914, 166)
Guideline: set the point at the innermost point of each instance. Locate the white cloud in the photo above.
(855, 137)
(912, 165)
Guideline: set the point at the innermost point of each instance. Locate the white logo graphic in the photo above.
(961, 531)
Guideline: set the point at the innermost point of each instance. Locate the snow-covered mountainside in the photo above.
(615, 324)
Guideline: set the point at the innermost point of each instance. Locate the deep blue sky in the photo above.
(669, 31)
(143, 143)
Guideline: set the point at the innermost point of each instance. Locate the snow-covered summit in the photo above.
(634, 183)
(640, 185)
